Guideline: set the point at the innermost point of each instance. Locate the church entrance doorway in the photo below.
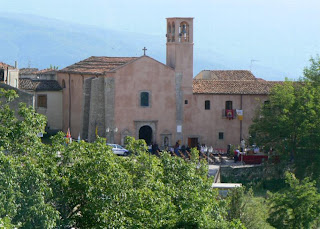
(192, 142)
(145, 133)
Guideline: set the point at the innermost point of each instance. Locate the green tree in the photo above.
(312, 73)
(298, 206)
(290, 123)
(251, 211)
(53, 67)
(85, 185)
(18, 130)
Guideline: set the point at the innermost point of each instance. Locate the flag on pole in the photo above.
(68, 133)
(68, 136)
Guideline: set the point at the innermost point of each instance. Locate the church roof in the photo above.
(245, 87)
(98, 65)
(225, 75)
(39, 85)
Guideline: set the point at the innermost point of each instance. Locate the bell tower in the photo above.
(180, 58)
(180, 48)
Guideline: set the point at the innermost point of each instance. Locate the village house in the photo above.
(9, 80)
(115, 97)
(9, 75)
(47, 95)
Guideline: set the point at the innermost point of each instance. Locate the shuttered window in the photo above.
(42, 101)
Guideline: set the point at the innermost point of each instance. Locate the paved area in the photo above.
(224, 161)
(213, 169)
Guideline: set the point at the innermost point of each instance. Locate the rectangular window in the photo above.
(186, 102)
(207, 105)
(220, 135)
(144, 99)
(228, 105)
(266, 104)
(42, 101)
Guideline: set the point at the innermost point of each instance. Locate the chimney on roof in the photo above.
(16, 64)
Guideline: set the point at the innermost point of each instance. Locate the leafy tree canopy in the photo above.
(298, 206)
(85, 185)
(290, 122)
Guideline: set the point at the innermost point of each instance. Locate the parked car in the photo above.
(119, 150)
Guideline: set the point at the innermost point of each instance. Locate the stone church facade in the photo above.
(116, 97)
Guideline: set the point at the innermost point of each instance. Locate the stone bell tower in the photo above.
(180, 48)
(180, 58)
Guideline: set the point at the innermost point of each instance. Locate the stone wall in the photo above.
(109, 93)
(241, 174)
(97, 109)
(24, 97)
(86, 106)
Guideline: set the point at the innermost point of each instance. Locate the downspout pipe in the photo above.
(69, 101)
(241, 120)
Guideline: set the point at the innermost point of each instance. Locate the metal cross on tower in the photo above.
(144, 50)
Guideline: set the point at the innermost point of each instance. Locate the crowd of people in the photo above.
(183, 151)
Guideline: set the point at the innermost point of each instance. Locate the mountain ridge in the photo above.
(39, 42)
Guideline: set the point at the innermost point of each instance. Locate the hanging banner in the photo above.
(229, 114)
(240, 114)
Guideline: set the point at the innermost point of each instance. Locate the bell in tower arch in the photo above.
(184, 32)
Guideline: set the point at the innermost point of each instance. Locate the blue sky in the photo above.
(281, 34)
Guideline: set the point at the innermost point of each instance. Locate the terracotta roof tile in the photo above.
(226, 75)
(39, 85)
(4, 65)
(248, 87)
(97, 65)
(23, 71)
(45, 71)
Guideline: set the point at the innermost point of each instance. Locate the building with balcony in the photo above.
(115, 97)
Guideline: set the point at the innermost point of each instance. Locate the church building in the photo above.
(115, 97)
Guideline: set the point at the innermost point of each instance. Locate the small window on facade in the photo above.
(266, 104)
(220, 135)
(186, 101)
(144, 99)
(42, 101)
(63, 84)
(228, 105)
(207, 105)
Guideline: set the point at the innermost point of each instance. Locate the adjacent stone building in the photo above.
(138, 96)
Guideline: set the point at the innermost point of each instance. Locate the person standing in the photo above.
(155, 149)
(243, 145)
